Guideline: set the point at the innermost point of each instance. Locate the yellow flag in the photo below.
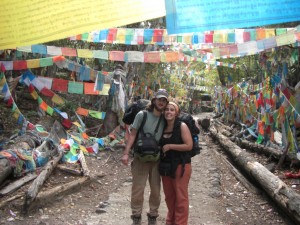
(57, 100)
(33, 63)
(25, 23)
(105, 89)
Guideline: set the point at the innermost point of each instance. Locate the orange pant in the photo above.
(177, 197)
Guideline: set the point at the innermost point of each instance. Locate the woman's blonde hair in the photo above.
(177, 109)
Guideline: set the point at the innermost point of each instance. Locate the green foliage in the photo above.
(69, 107)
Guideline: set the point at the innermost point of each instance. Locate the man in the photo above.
(141, 171)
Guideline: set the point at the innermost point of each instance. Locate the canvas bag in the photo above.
(146, 148)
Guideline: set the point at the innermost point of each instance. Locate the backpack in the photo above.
(146, 147)
(133, 109)
(190, 122)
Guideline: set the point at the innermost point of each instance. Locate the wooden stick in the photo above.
(60, 190)
(5, 202)
(17, 184)
(85, 169)
(35, 187)
(107, 159)
(281, 160)
(69, 170)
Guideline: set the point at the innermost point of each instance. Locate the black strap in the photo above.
(183, 165)
(143, 121)
(157, 125)
(141, 127)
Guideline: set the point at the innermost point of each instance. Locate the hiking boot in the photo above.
(136, 220)
(151, 219)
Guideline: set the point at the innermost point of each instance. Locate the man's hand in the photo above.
(125, 159)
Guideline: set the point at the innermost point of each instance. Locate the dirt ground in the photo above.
(216, 196)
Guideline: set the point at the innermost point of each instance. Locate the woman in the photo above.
(176, 142)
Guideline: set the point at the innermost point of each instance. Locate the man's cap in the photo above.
(162, 93)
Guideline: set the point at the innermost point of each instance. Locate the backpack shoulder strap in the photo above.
(157, 125)
(141, 127)
(143, 122)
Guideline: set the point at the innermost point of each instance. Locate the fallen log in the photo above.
(37, 184)
(61, 190)
(285, 197)
(69, 170)
(223, 131)
(268, 151)
(53, 193)
(240, 134)
(5, 202)
(250, 187)
(17, 184)
(223, 125)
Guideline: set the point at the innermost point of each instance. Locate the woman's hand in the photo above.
(166, 148)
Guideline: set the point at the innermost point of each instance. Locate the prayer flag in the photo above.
(46, 62)
(116, 56)
(57, 100)
(20, 65)
(152, 57)
(69, 19)
(75, 87)
(89, 89)
(68, 51)
(82, 111)
(53, 50)
(33, 63)
(186, 16)
(60, 85)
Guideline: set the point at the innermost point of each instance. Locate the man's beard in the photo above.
(159, 110)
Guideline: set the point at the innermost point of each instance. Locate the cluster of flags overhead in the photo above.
(124, 56)
(47, 85)
(246, 42)
(137, 36)
(85, 72)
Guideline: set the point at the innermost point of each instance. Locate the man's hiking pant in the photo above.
(141, 172)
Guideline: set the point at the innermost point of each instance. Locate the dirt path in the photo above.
(216, 196)
(203, 198)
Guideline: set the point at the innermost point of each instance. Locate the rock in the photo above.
(99, 211)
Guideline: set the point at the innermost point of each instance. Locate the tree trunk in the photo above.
(110, 122)
(268, 151)
(284, 196)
